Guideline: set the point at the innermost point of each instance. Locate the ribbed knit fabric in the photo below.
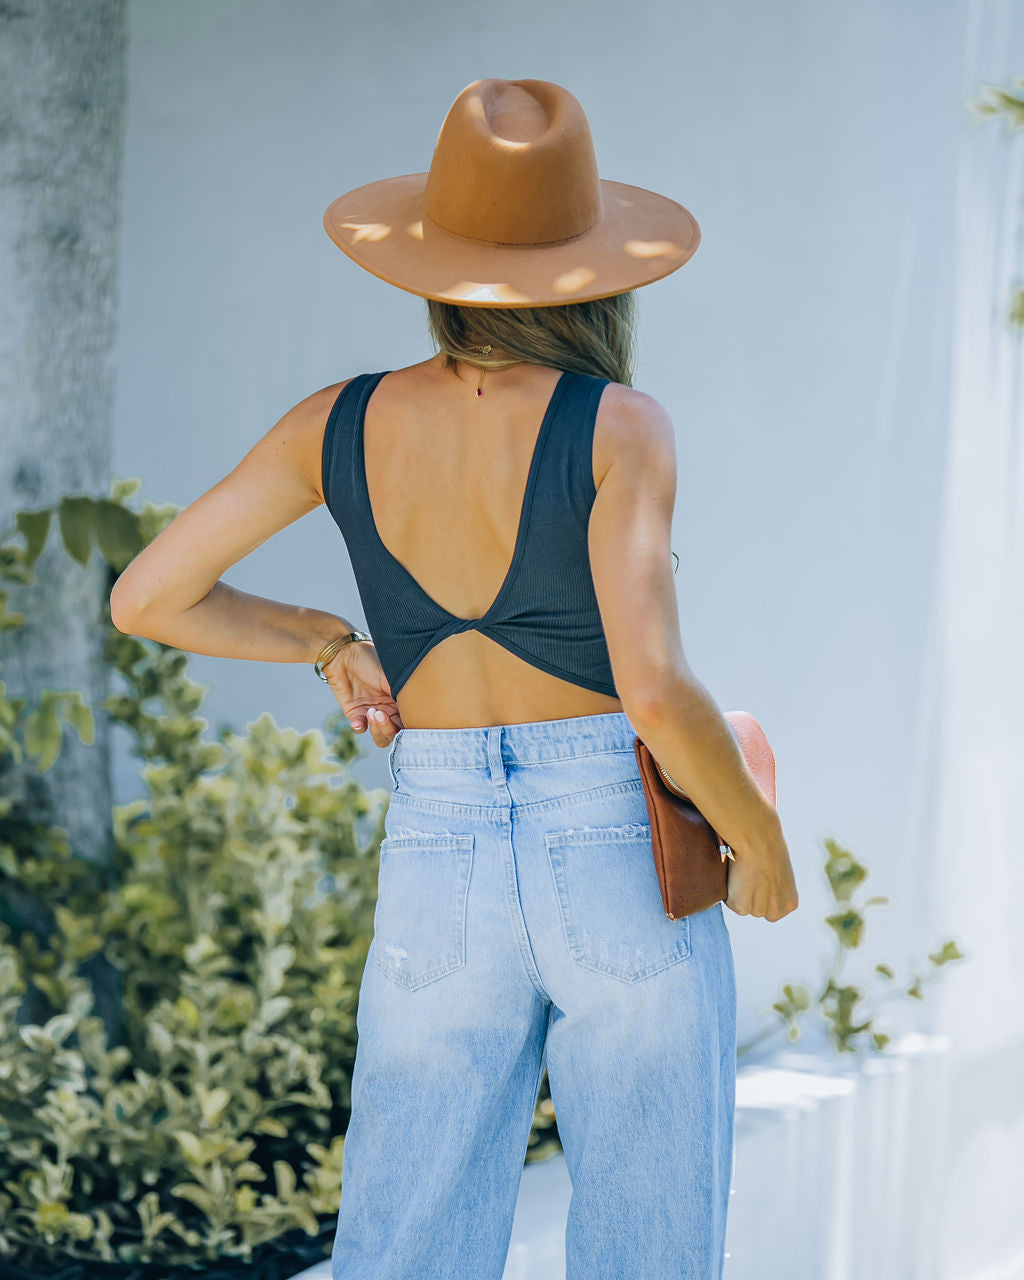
(546, 611)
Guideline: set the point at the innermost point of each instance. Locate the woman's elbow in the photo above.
(656, 697)
(124, 612)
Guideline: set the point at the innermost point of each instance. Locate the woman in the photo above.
(509, 533)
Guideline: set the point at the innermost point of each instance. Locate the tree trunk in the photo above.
(62, 108)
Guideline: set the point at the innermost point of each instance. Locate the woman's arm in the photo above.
(171, 591)
(669, 707)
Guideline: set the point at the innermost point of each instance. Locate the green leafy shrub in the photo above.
(238, 923)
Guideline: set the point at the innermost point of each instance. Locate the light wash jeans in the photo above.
(519, 920)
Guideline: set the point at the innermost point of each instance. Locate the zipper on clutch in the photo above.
(670, 780)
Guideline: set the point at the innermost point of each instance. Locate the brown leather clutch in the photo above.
(691, 861)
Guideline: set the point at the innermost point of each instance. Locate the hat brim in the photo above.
(641, 237)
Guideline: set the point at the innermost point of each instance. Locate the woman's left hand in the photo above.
(358, 682)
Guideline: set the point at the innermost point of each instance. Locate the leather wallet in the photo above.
(691, 861)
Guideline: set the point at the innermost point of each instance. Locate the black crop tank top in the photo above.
(546, 611)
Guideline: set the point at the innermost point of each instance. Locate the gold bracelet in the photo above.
(329, 650)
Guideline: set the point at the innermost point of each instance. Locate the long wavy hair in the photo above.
(596, 337)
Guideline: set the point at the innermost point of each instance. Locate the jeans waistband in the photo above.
(526, 743)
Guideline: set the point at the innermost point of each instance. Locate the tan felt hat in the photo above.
(512, 212)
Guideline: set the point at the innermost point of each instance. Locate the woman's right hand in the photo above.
(761, 881)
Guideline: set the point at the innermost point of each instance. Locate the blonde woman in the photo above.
(507, 505)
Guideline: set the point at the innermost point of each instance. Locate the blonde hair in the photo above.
(596, 337)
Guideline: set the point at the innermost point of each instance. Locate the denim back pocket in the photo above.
(610, 902)
(419, 922)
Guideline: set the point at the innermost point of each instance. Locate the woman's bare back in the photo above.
(446, 472)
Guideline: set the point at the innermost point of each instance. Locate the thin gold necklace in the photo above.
(484, 351)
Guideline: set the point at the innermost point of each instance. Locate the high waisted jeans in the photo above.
(519, 922)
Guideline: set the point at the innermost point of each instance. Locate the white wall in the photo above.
(840, 426)
(973, 874)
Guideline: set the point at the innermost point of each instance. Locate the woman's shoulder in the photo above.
(305, 426)
(630, 422)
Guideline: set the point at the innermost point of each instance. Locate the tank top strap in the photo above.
(568, 469)
(341, 474)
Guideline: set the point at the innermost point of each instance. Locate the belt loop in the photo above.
(391, 760)
(494, 757)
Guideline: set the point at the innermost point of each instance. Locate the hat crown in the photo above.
(514, 164)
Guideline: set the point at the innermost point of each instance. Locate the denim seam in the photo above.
(515, 906)
(478, 812)
(458, 762)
